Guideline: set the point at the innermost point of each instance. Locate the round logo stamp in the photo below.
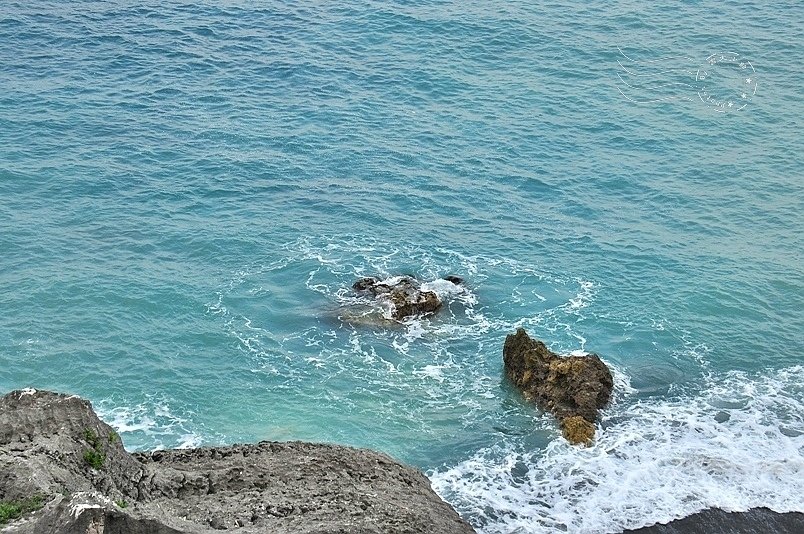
(726, 82)
(723, 82)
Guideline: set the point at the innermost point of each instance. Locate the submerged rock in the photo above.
(54, 447)
(403, 294)
(572, 388)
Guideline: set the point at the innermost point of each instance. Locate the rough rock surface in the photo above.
(572, 388)
(45, 440)
(716, 521)
(404, 294)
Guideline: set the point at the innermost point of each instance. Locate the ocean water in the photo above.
(188, 191)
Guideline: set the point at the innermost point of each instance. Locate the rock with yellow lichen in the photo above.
(572, 388)
(578, 430)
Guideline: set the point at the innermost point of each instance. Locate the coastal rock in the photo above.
(403, 294)
(576, 429)
(572, 388)
(716, 521)
(54, 449)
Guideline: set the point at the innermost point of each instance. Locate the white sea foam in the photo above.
(392, 280)
(584, 296)
(151, 425)
(622, 384)
(433, 372)
(548, 303)
(415, 329)
(737, 445)
(446, 289)
(655, 459)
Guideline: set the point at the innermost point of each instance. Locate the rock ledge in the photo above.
(265, 487)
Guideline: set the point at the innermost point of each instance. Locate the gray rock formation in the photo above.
(571, 388)
(55, 447)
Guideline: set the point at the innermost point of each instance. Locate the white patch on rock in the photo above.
(86, 503)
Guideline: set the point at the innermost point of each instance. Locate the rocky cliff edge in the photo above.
(55, 452)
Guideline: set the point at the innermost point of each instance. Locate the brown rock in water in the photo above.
(405, 296)
(56, 452)
(567, 387)
(578, 430)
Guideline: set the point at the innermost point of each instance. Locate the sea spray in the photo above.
(736, 445)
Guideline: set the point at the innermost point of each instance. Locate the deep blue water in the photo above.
(188, 191)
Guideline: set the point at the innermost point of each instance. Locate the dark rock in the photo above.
(716, 521)
(567, 387)
(404, 295)
(281, 487)
(364, 284)
(457, 280)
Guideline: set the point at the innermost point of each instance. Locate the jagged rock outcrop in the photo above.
(572, 388)
(404, 294)
(55, 447)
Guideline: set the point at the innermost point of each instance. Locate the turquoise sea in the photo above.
(189, 189)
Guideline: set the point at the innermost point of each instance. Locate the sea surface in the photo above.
(189, 189)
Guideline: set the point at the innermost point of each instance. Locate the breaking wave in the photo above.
(737, 445)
